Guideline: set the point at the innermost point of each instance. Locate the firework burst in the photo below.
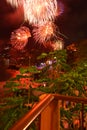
(19, 37)
(40, 11)
(41, 15)
(44, 33)
(58, 45)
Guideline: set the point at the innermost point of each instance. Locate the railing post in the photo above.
(86, 121)
(82, 117)
(50, 117)
(58, 114)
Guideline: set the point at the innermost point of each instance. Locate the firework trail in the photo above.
(44, 33)
(19, 37)
(15, 3)
(41, 15)
(39, 11)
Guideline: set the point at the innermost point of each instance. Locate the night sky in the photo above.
(72, 23)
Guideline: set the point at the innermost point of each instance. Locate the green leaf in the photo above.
(42, 56)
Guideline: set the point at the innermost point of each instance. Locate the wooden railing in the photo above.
(48, 110)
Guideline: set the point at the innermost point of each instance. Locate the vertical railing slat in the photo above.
(58, 114)
(82, 118)
(49, 117)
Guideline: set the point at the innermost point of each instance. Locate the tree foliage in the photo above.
(56, 76)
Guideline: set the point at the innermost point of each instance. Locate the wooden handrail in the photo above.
(70, 98)
(26, 120)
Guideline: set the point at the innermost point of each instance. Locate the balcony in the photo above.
(46, 114)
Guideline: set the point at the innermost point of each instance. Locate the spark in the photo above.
(39, 11)
(44, 32)
(58, 45)
(41, 14)
(19, 37)
(15, 3)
